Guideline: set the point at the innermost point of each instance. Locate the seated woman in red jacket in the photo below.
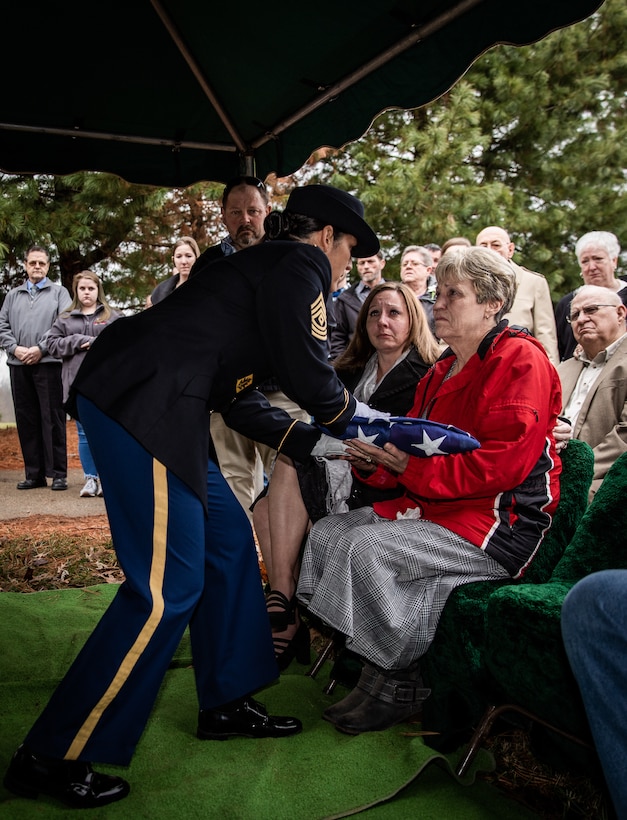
(381, 575)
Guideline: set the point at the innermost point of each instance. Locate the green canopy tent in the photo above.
(171, 92)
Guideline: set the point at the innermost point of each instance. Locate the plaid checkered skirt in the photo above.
(383, 584)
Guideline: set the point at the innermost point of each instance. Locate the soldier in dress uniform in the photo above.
(144, 394)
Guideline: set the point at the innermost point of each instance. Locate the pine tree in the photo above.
(98, 221)
(533, 139)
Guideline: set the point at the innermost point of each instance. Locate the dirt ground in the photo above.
(94, 527)
(11, 454)
(91, 526)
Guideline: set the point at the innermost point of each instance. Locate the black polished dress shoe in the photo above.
(32, 483)
(244, 718)
(71, 781)
(59, 484)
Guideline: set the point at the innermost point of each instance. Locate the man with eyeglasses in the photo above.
(597, 253)
(417, 273)
(243, 462)
(594, 381)
(27, 314)
(533, 307)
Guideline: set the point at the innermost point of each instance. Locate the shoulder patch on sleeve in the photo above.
(243, 383)
(319, 319)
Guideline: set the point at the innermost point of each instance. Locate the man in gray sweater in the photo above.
(26, 316)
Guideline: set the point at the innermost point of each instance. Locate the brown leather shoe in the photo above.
(389, 697)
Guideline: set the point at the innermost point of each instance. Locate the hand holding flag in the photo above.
(418, 437)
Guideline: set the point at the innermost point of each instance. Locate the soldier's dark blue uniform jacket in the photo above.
(254, 314)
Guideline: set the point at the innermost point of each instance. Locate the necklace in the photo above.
(451, 371)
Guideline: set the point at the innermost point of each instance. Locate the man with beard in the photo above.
(244, 206)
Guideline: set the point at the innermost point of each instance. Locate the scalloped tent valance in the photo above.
(172, 92)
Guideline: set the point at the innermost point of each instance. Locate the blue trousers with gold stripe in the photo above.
(181, 567)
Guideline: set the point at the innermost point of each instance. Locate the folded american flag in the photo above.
(418, 437)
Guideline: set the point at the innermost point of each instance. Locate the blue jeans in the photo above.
(594, 628)
(84, 453)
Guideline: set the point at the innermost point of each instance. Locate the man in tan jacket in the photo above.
(532, 307)
(594, 380)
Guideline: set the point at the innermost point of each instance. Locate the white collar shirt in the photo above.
(591, 371)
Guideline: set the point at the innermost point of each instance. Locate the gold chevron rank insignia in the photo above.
(243, 383)
(319, 319)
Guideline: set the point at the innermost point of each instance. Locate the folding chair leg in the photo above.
(328, 689)
(480, 734)
(485, 724)
(322, 656)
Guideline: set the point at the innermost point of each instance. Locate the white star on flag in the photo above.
(430, 447)
(361, 436)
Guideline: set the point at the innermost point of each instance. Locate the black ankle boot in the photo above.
(367, 681)
(366, 678)
(346, 669)
(389, 697)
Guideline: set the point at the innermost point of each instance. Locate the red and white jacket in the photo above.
(501, 497)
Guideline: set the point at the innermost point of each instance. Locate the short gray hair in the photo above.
(422, 252)
(600, 239)
(492, 276)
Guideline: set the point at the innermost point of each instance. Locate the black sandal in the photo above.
(284, 612)
(298, 646)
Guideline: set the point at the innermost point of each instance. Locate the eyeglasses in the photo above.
(590, 310)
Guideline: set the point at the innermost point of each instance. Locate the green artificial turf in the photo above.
(320, 773)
